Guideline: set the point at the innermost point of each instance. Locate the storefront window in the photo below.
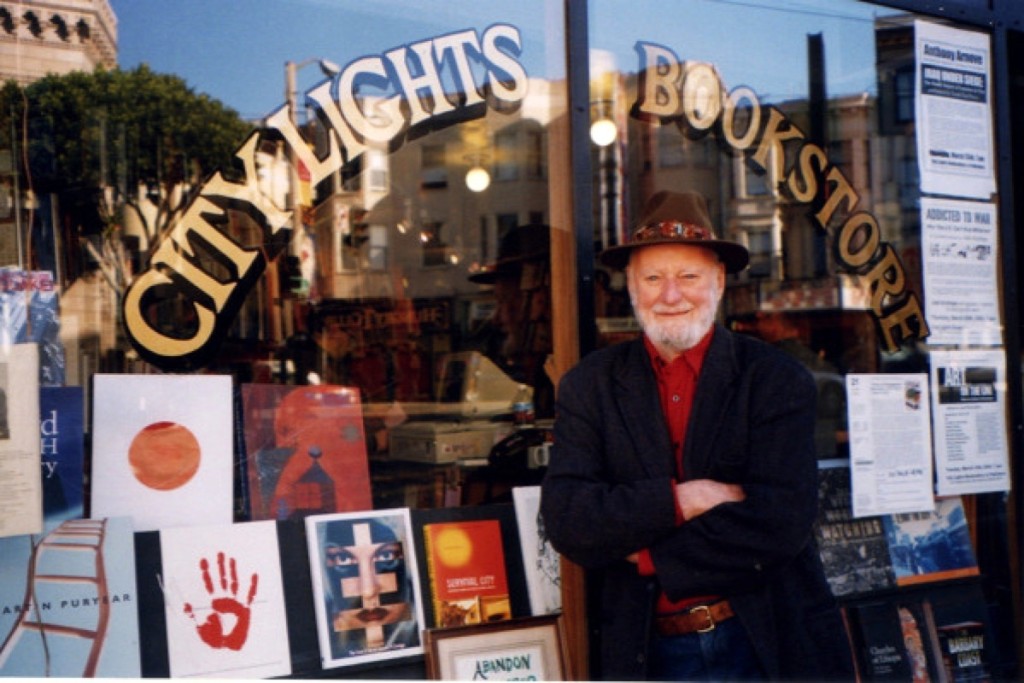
(369, 230)
(382, 258)
(803, 125)
(809, 70)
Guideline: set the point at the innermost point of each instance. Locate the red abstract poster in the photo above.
(305, 450)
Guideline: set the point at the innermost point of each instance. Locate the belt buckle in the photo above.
(707, 613)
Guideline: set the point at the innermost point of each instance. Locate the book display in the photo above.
(70, 602)
(305, 450)
(908, 586)
(162, 449)
(21, 489)
(934, 633)
(466, 568)
(865, 555)
(224, 601)
(62, 445)
(366, 586)
(308, 577)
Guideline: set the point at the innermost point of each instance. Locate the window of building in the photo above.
(433, 167)
(507, 154)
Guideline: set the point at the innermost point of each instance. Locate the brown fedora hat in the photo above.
(677, 218)
(530, 242)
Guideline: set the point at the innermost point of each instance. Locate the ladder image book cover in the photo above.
(68, 602)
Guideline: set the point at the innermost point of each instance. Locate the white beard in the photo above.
(678, 335)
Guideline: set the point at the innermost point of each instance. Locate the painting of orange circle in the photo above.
(164, 456)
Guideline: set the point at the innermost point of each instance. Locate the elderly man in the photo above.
(683, 477)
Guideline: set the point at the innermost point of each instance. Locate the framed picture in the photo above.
(519, 649)
(350, 553)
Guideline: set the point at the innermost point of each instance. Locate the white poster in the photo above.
(163, 449)
(890, 444)
(21, 483)
(953, 111)
(224, 601)
(970, 421)
(541, 562)
(959, 262)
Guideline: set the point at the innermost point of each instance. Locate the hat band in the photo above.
(670, 229)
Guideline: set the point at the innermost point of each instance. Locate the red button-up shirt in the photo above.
(677, 385)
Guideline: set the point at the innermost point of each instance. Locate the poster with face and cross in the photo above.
(366, 586)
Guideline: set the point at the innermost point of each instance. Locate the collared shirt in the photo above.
(677, 386)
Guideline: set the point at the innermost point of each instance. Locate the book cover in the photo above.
(931, 546)
(466, 566)
(21, 487)
(366, 587)
(68, 602)
(305, 450)
(542, 564)
(162, 449)
(878, 639)
(31, 308)
(505, 515)
(224, 601)
(854, 552)
(920, 645)
(963, 630)
(964, 654)
(62, 447)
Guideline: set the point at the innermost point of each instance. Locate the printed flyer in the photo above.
(890, 444)
(953, 111)
(971, 453)
(959, 253)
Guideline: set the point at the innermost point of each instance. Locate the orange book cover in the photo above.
(466, 566)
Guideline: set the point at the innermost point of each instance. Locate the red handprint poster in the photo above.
(224, 601)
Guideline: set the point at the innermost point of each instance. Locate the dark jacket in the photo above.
(608, 493)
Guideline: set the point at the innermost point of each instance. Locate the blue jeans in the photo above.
(721, 654)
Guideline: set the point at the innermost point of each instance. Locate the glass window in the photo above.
(507, 152)
(860, 114)
(434, 175)
(798, 122)
(374, 248)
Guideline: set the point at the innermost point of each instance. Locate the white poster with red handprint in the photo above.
(224, 601)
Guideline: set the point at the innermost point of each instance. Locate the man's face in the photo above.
(508, 302)
(371, 576)
(675, 290)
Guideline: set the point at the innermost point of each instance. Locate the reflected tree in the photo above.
(113, 146)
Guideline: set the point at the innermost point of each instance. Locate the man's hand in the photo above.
(700, 495)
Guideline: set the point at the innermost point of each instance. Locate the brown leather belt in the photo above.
(699, 619)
